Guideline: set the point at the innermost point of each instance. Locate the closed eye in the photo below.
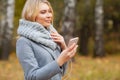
(43, 12)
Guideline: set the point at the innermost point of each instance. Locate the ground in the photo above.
(83, 68)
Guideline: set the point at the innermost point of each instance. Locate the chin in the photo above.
(47, 25)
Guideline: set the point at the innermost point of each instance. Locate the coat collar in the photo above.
(37, 33)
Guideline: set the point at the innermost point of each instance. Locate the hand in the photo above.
(59, 40)
(67, 54)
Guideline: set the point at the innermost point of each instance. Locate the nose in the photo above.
(49, 14)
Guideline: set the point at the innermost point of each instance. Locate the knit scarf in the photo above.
(37, 33)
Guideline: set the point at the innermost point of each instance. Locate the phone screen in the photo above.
(73, 40)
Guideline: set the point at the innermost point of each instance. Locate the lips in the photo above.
(48, 21)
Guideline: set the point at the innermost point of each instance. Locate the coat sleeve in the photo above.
(29, 63)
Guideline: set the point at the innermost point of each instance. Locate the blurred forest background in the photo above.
(95, 22)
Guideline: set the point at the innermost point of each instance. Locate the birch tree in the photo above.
(69, 19)
(6, 28)
(99, 45)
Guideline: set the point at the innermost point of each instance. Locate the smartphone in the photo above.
(73, 40)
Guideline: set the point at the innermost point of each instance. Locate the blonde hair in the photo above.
(31, 9)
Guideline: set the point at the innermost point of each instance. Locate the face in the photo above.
(45, 15)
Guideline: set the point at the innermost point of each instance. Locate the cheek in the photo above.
(40, 18)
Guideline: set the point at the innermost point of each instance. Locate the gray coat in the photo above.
(38, 61)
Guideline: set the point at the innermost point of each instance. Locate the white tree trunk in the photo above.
(10, 16)
(99, 45)
(69, 19)
(6, 27)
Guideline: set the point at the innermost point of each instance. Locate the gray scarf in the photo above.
(37, 33)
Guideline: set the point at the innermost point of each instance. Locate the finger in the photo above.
(56, 38)
(71, 47)
(57, 41)
(75, 49)
(54, 33)
(73, 52)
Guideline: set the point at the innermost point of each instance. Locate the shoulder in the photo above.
(23, 40)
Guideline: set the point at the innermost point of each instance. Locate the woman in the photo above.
(41, 51)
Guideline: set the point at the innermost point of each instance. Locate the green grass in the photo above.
(83, 68)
